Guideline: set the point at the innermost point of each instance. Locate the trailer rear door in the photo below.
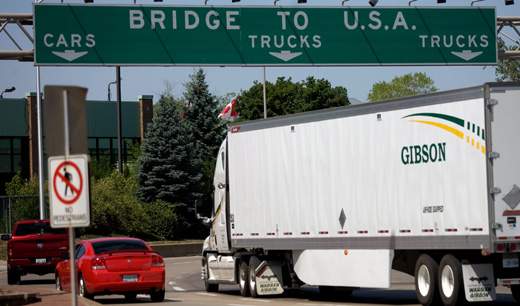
(505, 176)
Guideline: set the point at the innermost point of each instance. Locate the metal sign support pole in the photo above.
(40, 144)
(265, 97)
(72, 260)
(119, 121)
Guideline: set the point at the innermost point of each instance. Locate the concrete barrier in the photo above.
(178, 249)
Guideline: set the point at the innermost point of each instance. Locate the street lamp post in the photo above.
(8, 89)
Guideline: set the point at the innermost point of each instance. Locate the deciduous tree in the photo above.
(286, 97)
(410, 84)
(507, 70)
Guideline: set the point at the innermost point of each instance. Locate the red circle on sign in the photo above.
(56, 175)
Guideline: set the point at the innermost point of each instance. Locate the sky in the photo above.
(138, 81)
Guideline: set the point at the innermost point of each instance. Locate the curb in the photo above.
(22, 296)
(17, 298)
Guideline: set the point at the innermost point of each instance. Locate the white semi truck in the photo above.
(428, 185)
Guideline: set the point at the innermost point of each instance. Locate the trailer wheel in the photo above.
(426, 271)
(205, 275)
(515, 291)
(254, 262)
(451, 285)
(243, 277)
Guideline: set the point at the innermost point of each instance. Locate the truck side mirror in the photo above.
(6, 237)
(199, 204)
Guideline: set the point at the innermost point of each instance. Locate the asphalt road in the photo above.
(185, 288)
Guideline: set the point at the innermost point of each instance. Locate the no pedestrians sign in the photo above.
(69, 191)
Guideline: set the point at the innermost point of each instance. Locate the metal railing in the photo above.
(18, 208)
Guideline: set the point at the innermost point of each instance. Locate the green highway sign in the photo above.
(133, 35)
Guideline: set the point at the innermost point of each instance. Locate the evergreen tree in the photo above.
(202, 116)
(169, 170)
(206, 131)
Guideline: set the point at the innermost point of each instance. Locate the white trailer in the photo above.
(427, 185)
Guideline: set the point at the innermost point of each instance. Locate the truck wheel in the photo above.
(515, 291)
(451, 285)
(13, 277)
(205, 276)
(254, 262)
(243, 279)
(426, 273)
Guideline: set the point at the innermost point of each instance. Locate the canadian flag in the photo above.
(229, 112)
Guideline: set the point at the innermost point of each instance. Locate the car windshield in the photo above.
(118, 245)
(24, 229)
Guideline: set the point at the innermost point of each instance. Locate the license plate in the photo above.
(510, 260)
(41, 260)
(130, 278)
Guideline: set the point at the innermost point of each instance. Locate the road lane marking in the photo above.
(255, 300)
(178, 289)
(207, 294)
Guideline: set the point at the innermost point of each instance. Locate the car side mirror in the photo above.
(64, 256)
(6, 237)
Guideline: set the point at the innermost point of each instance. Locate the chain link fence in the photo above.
(18, 208)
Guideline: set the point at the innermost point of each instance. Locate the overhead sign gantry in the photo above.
(133, 35)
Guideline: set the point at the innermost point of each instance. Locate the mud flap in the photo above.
(479, 282)
(269, 279)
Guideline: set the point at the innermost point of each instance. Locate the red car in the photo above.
(126, 266)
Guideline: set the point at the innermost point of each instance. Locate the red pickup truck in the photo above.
(34, 247)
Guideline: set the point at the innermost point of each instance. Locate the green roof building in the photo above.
(19, 134)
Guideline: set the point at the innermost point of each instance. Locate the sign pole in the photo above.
(41, 190)
(265, 96)
(119, 122)
(66, 122)
(72, 260)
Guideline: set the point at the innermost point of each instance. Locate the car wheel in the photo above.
(130, 296)
(254, 262)
(58, 282)
(205, 275)
(83, 289)
(13, 277)
(243, 279)
(158, 296)
(426, 273)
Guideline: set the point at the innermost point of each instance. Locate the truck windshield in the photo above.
(37, 228)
